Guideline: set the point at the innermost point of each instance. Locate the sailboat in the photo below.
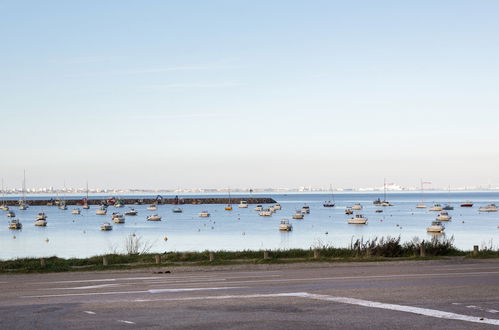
(385, 202)
(229, 206)
(23, 205)
(62, 202)
(85, 202)
(447, 206)
(421, 205)
(4, 206)
(330, 203)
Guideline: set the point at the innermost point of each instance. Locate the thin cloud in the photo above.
(180, 116)
(177, 86)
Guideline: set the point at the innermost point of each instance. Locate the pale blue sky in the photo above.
(153, 94)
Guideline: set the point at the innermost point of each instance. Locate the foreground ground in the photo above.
(437, 294)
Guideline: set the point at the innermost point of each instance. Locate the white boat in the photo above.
(62, 206)
(358, 219)
(152, 207)
(331, 202)
(75, 211)
(357, 207)
(106, 226)
(435, 227)
(15, 224)
(243, 204)
(4, 207)
(259, 207)
(101, 210)
(204, 214)
(348, 210)
(443, 216)
(118, 217)
(266, 213)
(85, 202)
(305, 209)
(41, 223)
(119, 203)
(11, 214)
(23, 206)
(436, 207)
(153, 217)
(285, 225)
(85, 206)
(488, 208)
(277, 207)
(131, 212)
(41, 216)
(177, 210)
(298, 215)
(420, 205)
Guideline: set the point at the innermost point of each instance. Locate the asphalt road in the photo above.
(403, 295)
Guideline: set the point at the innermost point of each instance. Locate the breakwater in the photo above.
(140, 201)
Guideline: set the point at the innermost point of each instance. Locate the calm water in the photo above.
(79, 235)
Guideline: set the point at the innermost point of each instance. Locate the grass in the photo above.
(382, 249)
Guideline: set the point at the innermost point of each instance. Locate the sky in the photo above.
(236, 93)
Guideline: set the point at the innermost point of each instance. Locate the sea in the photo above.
(67, 235)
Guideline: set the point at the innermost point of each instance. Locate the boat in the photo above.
(15, 224)
(488, 208)
(41, 223)
(204, 214)
(106, 226)
(259, 207)
(266, 213)
(75, 211)
(229, 206)
(41, 216)
(330, 203)
(85, 202)
(177, 210)
(119, 203)
(118, 217)
(420, 206)
(153, 217)
(131, 212)
(348, 210)
(284, 225)
(23, 204)
(102, 210)
(384, 202)
(277, 207)
(152, 207)
(11, 214)
(357, 207)
(443, 216)
(448, 207)
(377, 201)
(4, 206)
(298, 215)
(62, 206)
(305, 209)
(243, 204)
(436, 207)
(358, 219)
(467, 204)
(379, 211)
(435, 227)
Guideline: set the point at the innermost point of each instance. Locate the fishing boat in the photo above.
(119, 203)
(330, 203)
(75, 211)
(229, 206)
(448, 207)
(259, 207)
(41, 216)
(435, 227)
(118, 217)
(298, 215)
(131, 212)
(436, 207)
(15, 224)
(41, 223)
(23, 206)
(243, 204)
(348, 210)
(284, 225)
(357, 207)
(443, 216)
(177, 210)
(62, 205)
(420, 205)
(153, 217)
(266, 213)
(11, 214)
(488, 208)
(358, 219)
(204, 214)
(106, 226)
(379, 211)
(277, 207)
(102, 210)
(377, 201)
(305, 209)
(152, 207)
(4, 207)
(467, 204)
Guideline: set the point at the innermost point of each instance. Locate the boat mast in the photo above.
(229, 198)
(24, 186)
(87, 190)
(384, 190)
(332, 194)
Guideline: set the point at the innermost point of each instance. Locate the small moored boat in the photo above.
(41, 216)
(357, 207)
(153, 217)
(298, 215)
(284, 225)
(15, 224)
(420, 205)
(305, 209)
(358, 219)
(177, 210)
(152, 207)
(204, 214)
(259, 207)
(243, 204)
(41, 223)
(467, 204)
(75, 211)
(443, 216)
(266, 213)
(118, 217)
(348, 210)
(101, 210)
(488, 208)
(435, 227)
(106, 226)
(131, 212)
(11, 214)
(436, 207)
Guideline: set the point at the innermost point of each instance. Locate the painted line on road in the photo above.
(89, 312)
(127, 322)
(84, 287)
(153, 291)
(350, 301)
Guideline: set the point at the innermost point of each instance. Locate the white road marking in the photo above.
(350, 301)
(492, 310)
(89, 312)
(127, 322)
(84, 287)
(132, 292)
(128, 279)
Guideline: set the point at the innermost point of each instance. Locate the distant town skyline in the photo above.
(220, 94)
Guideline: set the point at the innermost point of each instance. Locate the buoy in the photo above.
(199, 230)
(14, 237)
(212, 227)
(244, 233)
(165, 238)
(326, 233)
(47, 240)
(133, 234)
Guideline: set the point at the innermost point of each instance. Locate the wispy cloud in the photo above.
(178, 86)
(145, 116)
